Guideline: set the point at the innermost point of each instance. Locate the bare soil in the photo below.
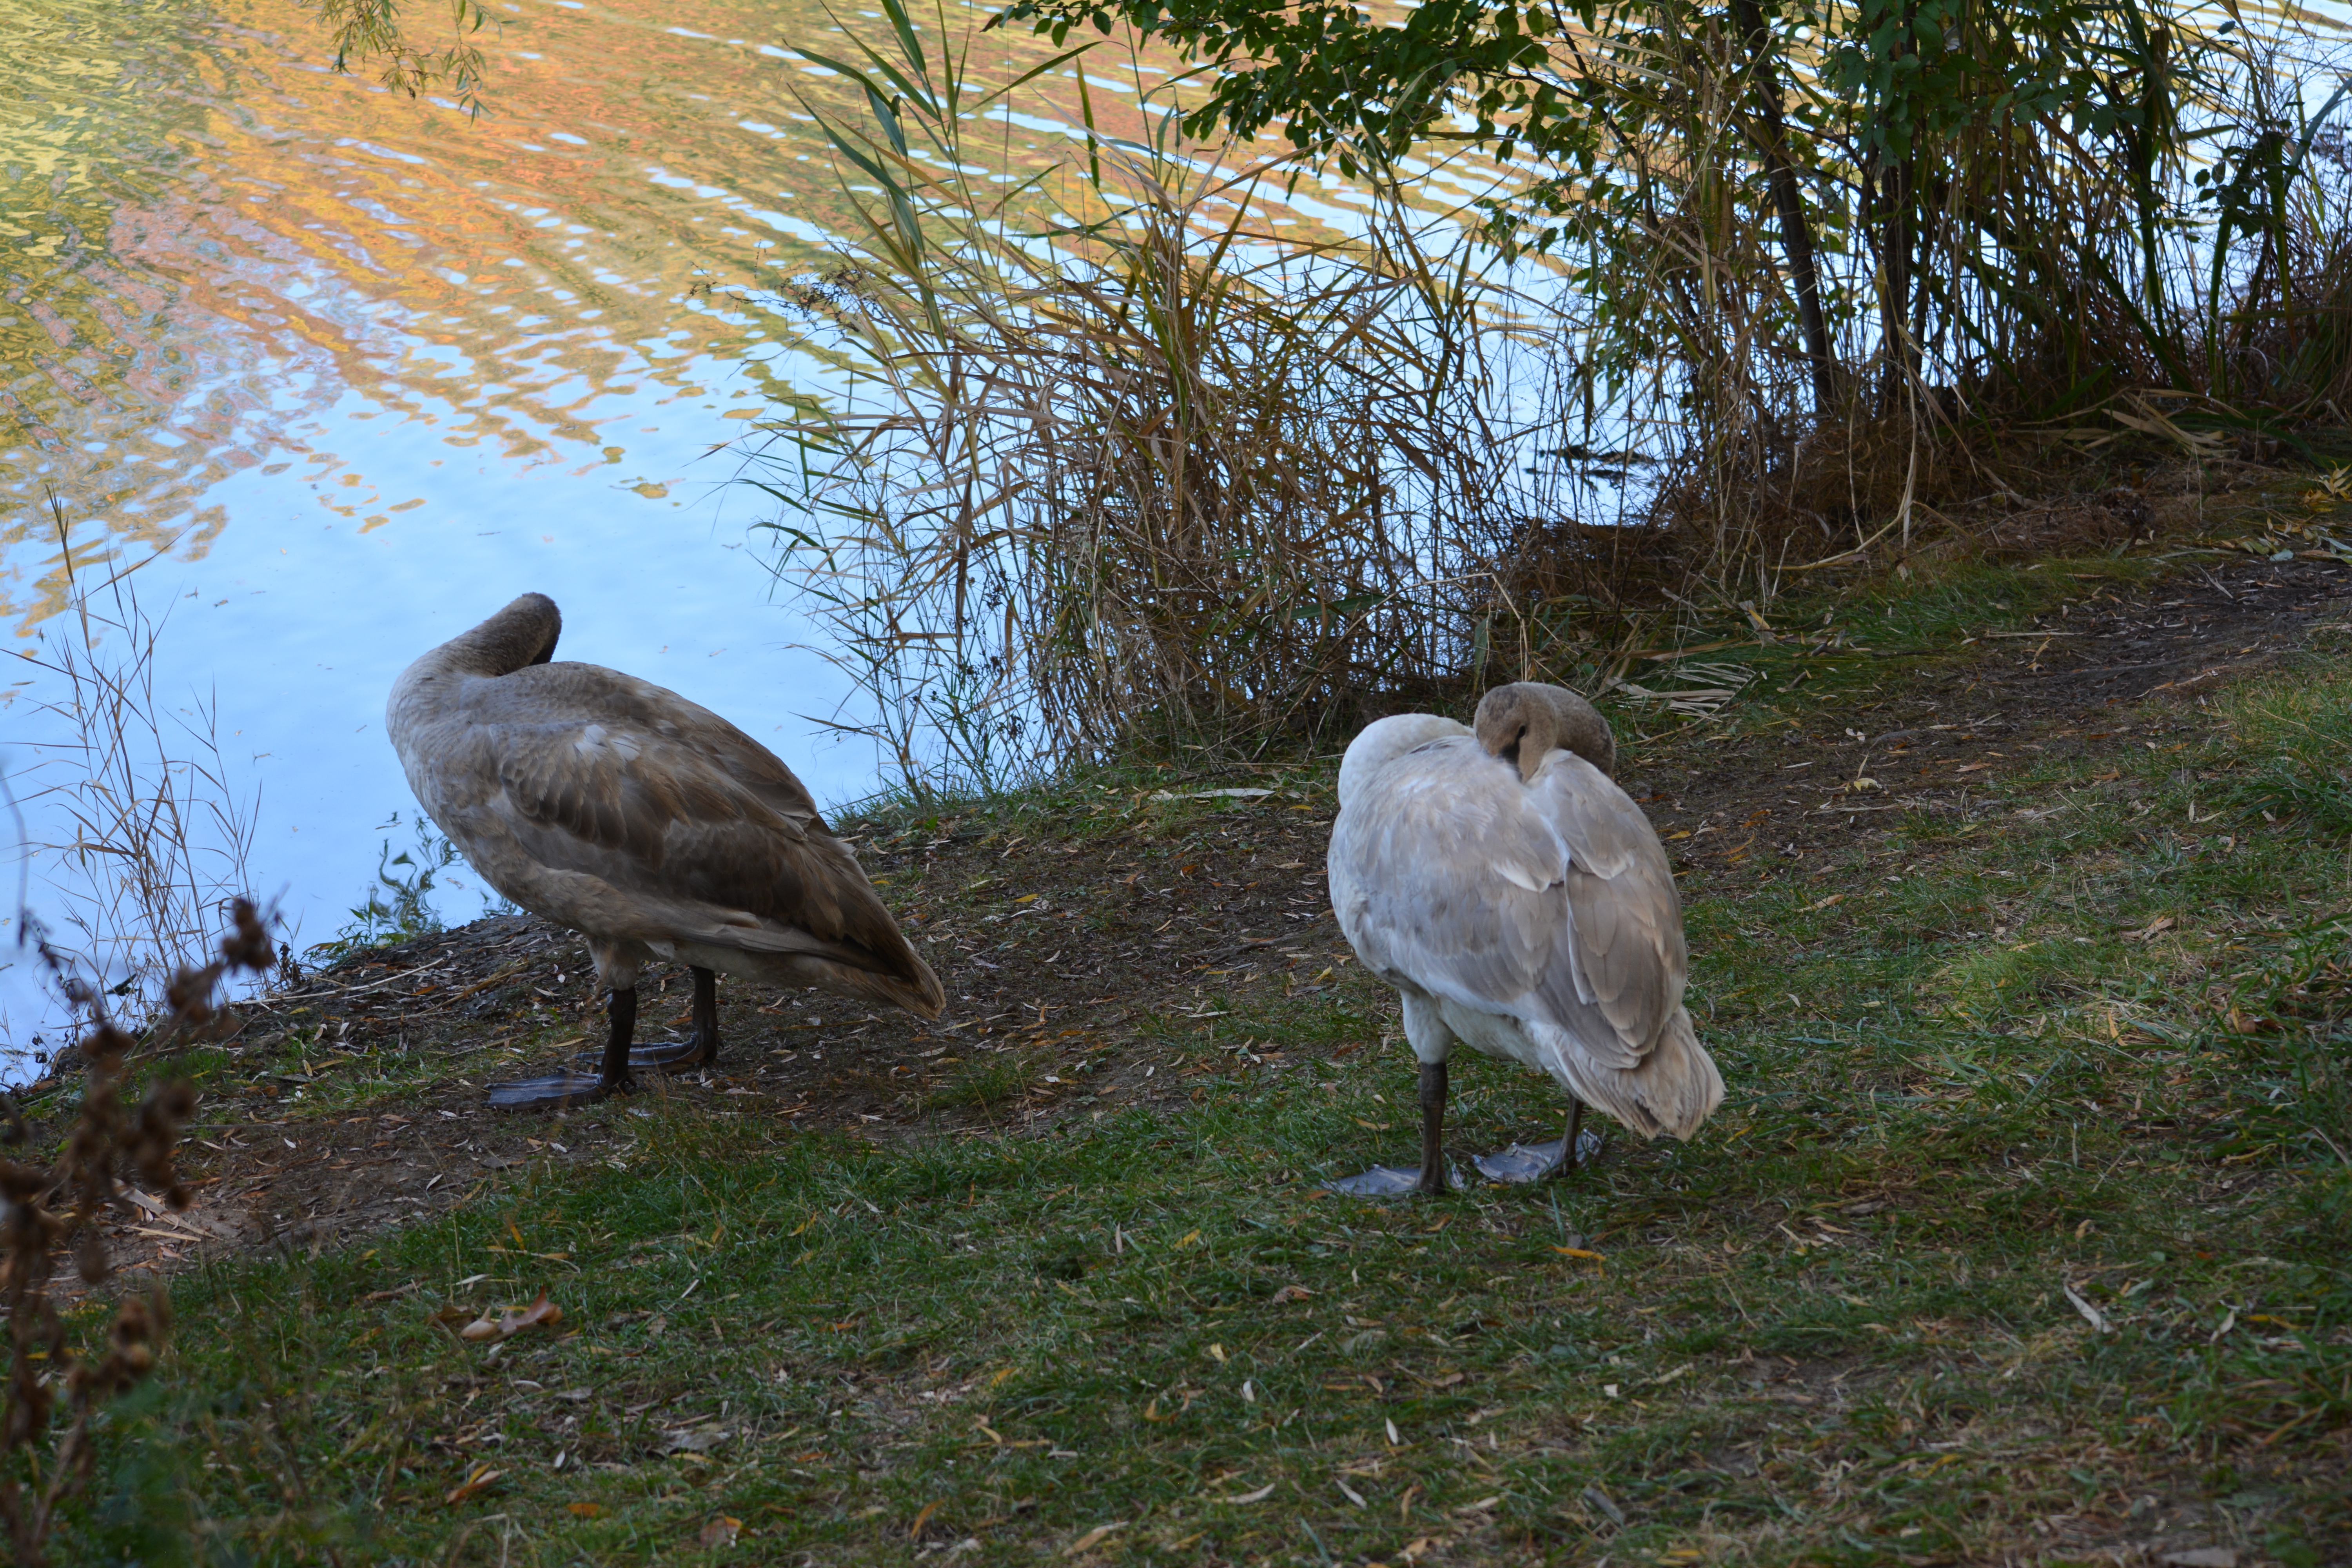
(1074, 938)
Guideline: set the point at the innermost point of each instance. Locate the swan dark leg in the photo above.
(578, 1088)
(1433, 1127)
(701, 1048)
(1567, 1161)
(1391, 1180)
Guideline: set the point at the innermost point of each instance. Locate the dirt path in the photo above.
(1073, 945)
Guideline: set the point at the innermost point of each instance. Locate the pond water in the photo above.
(348, 371)
(339, 373)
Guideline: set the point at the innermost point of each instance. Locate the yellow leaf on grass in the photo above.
(1578, 1252)
(1092, 1538)
(585, 1510)
(473, 1485)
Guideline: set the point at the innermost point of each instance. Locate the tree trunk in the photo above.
(1796, 234)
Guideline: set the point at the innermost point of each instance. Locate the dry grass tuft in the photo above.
(159, 835)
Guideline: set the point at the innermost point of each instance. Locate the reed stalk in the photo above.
(138, 792)
(1149, 475)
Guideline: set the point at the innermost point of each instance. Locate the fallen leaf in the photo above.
(2202, 1557)
(915, 1531)
(1092, 1538)
(510, 1323)
(1350, 1492)
(1578, 1252)
(720, 1531)
(1291, 1293)
(2091, 1315)
(473, 1485)
(693, 1439)
(1260, 1495)
(585, 1510)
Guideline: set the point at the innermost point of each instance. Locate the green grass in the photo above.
(1836, 1327)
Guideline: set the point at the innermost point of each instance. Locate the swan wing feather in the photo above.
(1625, 932)
(665, 801)
(1551, 902)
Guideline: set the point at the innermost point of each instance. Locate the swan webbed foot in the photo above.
(700, 1049)
(1380, 1181)
(1395, 1180)
(673, 1055)
(579, 1088)
(1524, 1163)
(554, 1093)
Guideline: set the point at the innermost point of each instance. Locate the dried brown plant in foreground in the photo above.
(54, 1209)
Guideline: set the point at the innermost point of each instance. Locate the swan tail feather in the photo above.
(785, 956)
(1675, 1088)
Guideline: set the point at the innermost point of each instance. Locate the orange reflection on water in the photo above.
(207, 242)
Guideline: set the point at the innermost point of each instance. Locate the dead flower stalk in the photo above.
(55, 1209)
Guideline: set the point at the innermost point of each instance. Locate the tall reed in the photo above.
(156, 834)
(1147, 473)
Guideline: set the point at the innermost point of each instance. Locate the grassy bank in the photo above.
(2021, 1235)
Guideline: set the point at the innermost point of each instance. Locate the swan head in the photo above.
(1523, 722)
(521, 634)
